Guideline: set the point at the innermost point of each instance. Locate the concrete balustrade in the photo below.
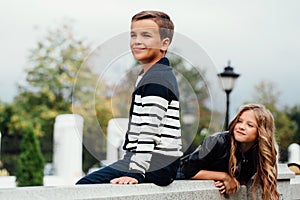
(177, 190)
(68, 136)
(288, 186)
(295, 188)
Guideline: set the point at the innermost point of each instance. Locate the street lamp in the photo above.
(228, 78)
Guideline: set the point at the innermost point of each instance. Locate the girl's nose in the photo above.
(242, 126)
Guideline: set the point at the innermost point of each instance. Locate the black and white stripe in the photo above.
(154, 125)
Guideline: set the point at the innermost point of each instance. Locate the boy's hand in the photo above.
(124, 180)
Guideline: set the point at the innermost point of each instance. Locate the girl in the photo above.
(232, 158)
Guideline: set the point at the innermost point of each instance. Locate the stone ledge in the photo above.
(284, 172)
(295, 187)
(288, 186)
(183, 190)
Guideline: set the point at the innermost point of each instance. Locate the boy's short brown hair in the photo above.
(166, 26)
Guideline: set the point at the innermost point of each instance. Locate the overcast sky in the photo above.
(260, 37)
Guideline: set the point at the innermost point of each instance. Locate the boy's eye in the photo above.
(146, 35)
(132, 35)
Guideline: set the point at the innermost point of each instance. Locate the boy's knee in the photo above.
(164, 182)
(82, 181)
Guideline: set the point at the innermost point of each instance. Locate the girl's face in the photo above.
(245, 130)
(145, 42)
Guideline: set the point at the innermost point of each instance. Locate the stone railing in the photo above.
(288, 186)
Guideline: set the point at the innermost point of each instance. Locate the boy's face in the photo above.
(145, 42)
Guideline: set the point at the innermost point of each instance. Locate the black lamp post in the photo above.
(228, 78)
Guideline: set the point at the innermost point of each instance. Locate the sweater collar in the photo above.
(160, 65)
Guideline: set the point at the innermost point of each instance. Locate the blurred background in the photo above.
(45, 43)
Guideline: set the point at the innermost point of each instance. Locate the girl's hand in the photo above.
(231, 185)
(223, 181)
(220, 185)
(227, 186)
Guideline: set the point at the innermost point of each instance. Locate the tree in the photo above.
(30, 170)
(267, 94)
(9, 152)
(55, 62)
(51, 73)
(294, 114)
(193, 96)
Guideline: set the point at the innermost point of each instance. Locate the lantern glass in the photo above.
(228, 82)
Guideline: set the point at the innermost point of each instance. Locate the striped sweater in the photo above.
(154, 125)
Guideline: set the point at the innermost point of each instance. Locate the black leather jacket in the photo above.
(213, 155)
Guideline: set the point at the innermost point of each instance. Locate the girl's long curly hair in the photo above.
(266, 174)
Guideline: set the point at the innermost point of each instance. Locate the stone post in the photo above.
(294, 153)
(116, 131)
(67, 157)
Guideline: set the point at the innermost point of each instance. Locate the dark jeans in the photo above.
(157, 175)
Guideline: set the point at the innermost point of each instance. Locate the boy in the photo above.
(153, 139)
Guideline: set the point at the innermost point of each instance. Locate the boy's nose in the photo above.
(138, 40)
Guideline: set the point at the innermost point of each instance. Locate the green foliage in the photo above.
(294, 114)
(94, 137)
(48, 92)
(54, 64)
(193, 95)
(30, 170)
(267, 94)
(9, 143)
(55, 61)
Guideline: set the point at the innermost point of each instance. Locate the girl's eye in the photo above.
(250, 125)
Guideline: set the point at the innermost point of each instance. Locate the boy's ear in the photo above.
(165, 44)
